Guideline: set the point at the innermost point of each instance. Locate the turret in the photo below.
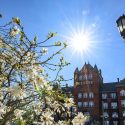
(95, 68)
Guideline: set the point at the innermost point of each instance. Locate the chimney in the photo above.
(100, 72)
(118, 80)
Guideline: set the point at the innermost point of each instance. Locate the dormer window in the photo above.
(122, 93)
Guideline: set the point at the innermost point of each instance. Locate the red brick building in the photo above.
(104, 102)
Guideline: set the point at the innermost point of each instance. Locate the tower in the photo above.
(87, 83)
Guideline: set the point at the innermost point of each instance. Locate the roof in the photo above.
(108, 87)
(121, 83)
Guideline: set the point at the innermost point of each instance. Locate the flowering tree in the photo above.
(27, 95)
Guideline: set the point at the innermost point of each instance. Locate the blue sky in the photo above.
(42, 16)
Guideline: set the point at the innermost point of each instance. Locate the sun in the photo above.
(80, 41)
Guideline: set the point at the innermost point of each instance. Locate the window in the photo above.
(90, 77)
(123, 113)
(113, 95)
(91, 82)
(105, 105)
(123, 103)
(91, 104)
(91, 95)
(79, 95)
(85, 95)
(75, 76)
(86, 113)
(106, 122)
(122, 93)
(85, 104)
(85, 77)
(114, 115)
(79, 104)
(115, 122)
(104, 96)
(105, 115)
(114, 105)
(80, 78)
(124, 122)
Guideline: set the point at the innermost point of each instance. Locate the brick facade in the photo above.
(104, 102)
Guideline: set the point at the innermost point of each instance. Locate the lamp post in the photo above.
(121, 25)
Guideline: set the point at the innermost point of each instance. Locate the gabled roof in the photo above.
(109, 87)
(87, 66)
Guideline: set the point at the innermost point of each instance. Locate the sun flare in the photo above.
(80, 41)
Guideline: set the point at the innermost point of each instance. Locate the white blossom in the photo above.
(47, 118)
(14, 31)
(2, 109)
(18, 113)
(69, 102)
(44, 51)
(80, 119)
(17, 92)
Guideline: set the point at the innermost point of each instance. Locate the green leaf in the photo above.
(50, 34)
(21, 38)
(58, 43)
(35, 38)
(65, 45)
(16, 20)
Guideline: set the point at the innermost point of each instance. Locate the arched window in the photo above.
(85, 104)
(85, 95)
(91, 104)
(114, 115)
(91, 95)
(90, 77)
(122, 92)
(85, 77)
(114, 105)
(105, 114)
